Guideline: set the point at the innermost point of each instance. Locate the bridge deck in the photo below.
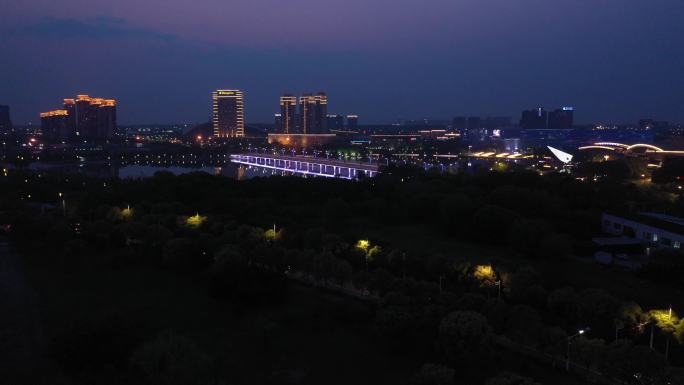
(309, 165)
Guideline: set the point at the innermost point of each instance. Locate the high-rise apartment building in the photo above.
(83, 117)
(288, 114)
(228, 113)
(313, 113)
(55, 126)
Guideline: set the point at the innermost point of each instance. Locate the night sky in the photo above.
(614, 60)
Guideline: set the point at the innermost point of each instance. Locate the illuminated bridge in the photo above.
(633, 149)
(304, 165)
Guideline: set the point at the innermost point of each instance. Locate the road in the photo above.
(20, 331)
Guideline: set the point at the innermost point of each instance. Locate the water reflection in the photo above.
(146, 170)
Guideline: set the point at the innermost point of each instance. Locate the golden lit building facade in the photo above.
(55, 126)
(228, 114)
(82, 118)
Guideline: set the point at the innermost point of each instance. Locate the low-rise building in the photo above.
(653, 229)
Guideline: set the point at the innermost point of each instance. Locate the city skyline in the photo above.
(615, 61)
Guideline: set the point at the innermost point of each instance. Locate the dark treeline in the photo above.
(248, 238)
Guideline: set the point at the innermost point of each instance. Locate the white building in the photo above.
(655, 230)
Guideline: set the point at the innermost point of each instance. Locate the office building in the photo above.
(352, 122)
(335, 122)
(228, 114)
(5, 121)
(561, 119)
(535, 119)
(84, 117)
(288, 114)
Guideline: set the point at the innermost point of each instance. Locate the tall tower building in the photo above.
(228, 113)
(106, 118)
(83, 117)
(55, 126)
(70, 108)
(288, 114)
(561, 119)
(86, 116)
(5, 122)
(536, 119)
(321, 114)
(313, 113)
(307, 105)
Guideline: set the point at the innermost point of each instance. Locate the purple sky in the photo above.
(614, 60)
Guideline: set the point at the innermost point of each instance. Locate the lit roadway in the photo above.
(305, 165)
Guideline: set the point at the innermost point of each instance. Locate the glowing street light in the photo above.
(570, 338)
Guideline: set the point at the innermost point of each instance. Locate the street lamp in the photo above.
(63, 204)
(570, 338)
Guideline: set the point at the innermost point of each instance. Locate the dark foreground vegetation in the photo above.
(406, 278)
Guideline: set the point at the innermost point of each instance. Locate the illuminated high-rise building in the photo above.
(5, 121)
(288, 114)
(106, 118)
(86, 117)
(228, 114)
(307, 105)
(313, 113)
(55, 126)
(321, 114)
(81, 118)
(70, 108)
